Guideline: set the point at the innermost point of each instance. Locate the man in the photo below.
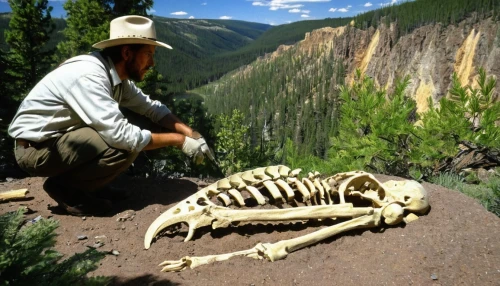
(70, 127)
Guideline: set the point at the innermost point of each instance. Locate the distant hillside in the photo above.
(194, 42)
(204, 50)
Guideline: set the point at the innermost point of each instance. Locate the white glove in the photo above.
(204, 147)
(192, 148)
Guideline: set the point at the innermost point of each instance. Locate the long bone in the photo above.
(278, 250)
(389, 200)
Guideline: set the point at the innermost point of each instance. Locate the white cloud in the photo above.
(225, 17)
(204, 4)
(191, 17)
(299, 11)
(179, 13)
(304, 16)
(389, 3)
(285, 4)
(368, 4)
(341, 10)
(151, 11)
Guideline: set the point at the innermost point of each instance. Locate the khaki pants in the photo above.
(79, 159)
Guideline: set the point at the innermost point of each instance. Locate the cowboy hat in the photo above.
(131, 30)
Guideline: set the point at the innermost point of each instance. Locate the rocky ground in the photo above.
(456, 243)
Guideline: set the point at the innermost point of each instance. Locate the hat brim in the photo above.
(128, 41)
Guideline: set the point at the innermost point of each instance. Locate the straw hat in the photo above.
(131, 30)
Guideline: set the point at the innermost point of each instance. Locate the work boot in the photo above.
(112, 193)
(76, 202)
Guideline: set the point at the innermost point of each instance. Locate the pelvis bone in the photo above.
(307, 198)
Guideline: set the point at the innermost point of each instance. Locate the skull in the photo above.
(410, 194)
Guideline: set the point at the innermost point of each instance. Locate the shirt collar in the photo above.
(113, 72)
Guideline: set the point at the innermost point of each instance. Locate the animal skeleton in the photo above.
(311, 198)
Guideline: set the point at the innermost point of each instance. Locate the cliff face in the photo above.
(429, 55)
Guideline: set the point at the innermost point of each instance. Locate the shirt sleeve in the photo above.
(89, 97)
(134, 99)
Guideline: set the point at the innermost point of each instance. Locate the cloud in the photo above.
(299, 11)
(179, 13)
(389, 3)
(341, 10)
(285, 4)
(204, 4)
(304, 16)
(191, 17)
(225, 17)
(368, 4)
(151, 11)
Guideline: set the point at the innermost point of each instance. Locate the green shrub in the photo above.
(376, 130)
(26, 255)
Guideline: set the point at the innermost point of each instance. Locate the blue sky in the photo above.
(273, 12)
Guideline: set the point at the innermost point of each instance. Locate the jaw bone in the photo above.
(389, 202)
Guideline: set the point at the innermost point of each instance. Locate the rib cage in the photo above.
(279, 184)
(276, 185)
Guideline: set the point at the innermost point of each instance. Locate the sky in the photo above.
(273, 12)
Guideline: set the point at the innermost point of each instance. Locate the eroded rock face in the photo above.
(429, 55)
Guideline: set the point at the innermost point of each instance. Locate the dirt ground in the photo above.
(456, 243)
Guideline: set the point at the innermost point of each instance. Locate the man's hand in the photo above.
(204, 147)
(192, 148)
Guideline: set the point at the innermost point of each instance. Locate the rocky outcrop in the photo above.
(429, 55)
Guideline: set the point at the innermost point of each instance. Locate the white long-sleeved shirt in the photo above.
(80, 93)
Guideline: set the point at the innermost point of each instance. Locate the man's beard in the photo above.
(133, 72)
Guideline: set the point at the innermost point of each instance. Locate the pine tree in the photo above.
(27, 256)
(29, 30)
(87, 24)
